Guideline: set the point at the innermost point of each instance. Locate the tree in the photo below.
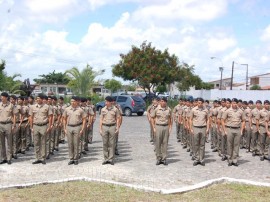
(256, 87)
(51, 78)
(148, 66)
(132, 86)
(82, 82)
(112, 85)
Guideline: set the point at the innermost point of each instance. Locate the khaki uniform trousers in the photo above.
(247, 136)
(223, 148)
(152, 135)
(254, 139)
(214, 137)
(23, 131)
(161, 142)
(73, 138)
(108, 138)
(177, 125)
(233, 144)
(181, 129)
(264, 141)
(40, 136)
(6, 141)
(90, 133)
(29, 139)
(15, 138)
(53, 137)
(199, 138)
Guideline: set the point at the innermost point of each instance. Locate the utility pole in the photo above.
(232, 75)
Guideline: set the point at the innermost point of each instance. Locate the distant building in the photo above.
(52, 89)
(225, 83)
(263, 80)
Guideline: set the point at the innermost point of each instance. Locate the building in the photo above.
(52, 89)
(262, 80)
(226, 82)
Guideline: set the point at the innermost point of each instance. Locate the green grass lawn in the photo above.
(101, 192)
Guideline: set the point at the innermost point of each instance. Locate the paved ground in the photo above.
(136, 163)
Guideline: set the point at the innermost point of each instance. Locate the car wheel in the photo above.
(140, 113)
(127, 112)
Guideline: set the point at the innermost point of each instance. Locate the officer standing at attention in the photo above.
(234, 118)
(7, 125)
(149, 110)
(175, 118)
(120, 123)
(40, 121)
(108, 128)
(199, 128)
(162, 126)
(74, 120)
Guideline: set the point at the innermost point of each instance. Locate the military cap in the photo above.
(250, 102)
(45, 97)
(5, 94)
(61, 98)
(259, 101)
(40, 95)
(21, 97)
(14, 97)
(240, 100)
(228, 100)
(54, 98)
(266, 102)
(245, 103)
(83, 99)
(223, 100)
(164, 99)
(200, 99)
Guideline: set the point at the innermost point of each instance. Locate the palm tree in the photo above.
(13, 86)
(82, 82)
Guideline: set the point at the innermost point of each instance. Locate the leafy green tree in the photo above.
(256, 87)
(112, 85)
(161, 88)
(148, 66)
(132, 86)
(82, 82)
(52, 78)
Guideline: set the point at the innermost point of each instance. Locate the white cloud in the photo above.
(266, 34)
(216, 45)
(38, 6)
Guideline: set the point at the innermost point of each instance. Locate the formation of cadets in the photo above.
(229, 124)
(44, 122)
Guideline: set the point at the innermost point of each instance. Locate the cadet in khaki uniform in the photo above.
(247, 131)
(262, 118)
(61, 106)
(24, 129)
(175, 118)
(16, 131)
(7, 125)
(108, 128)
(162, 126)
(91, 126)
(254, 131)
(233, 123)
(120, 123)
(199, 127)
(74, 120)
(213, 124)
(40, 120)
(149, 110)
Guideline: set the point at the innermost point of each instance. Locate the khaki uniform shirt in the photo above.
(162, 115)
(247, 113)
(261, 116)
(253, 114)
(74, 116)
(176, 110)
(109, 115)
(233, 117)
(25, 111)
(40, 113)
(18, 109)
(7, 111)
(199, 116)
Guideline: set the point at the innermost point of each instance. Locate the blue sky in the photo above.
(37, 37)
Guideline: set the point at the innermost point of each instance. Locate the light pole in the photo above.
(246, 76)
(221, 71)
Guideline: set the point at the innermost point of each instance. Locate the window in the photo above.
(122, 99)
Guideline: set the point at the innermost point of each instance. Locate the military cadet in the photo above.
(7, 125)
(225, 104)
(162, 126)
(24, 129)
(54, 140)
(245, 139)
(62, 106)
(185, 119)
(91, 127)
(40, 120)
(29, 139)
(120, 123)
(74, 120)
(108, 128)
(261, 120)
(233, 123)
(176, 118)
(199, 127)
(267, 139)
(149, 110)
(16, 131)
(213, 124)
(254, 130)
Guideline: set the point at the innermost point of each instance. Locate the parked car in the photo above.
(130, 104)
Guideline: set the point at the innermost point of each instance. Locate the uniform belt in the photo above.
(199, 126)
(5, 122)
(254, 124)
(41, 124)
(161, 124)
(74, 125)
(232, 127)
(113, 124)
(24, 121)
